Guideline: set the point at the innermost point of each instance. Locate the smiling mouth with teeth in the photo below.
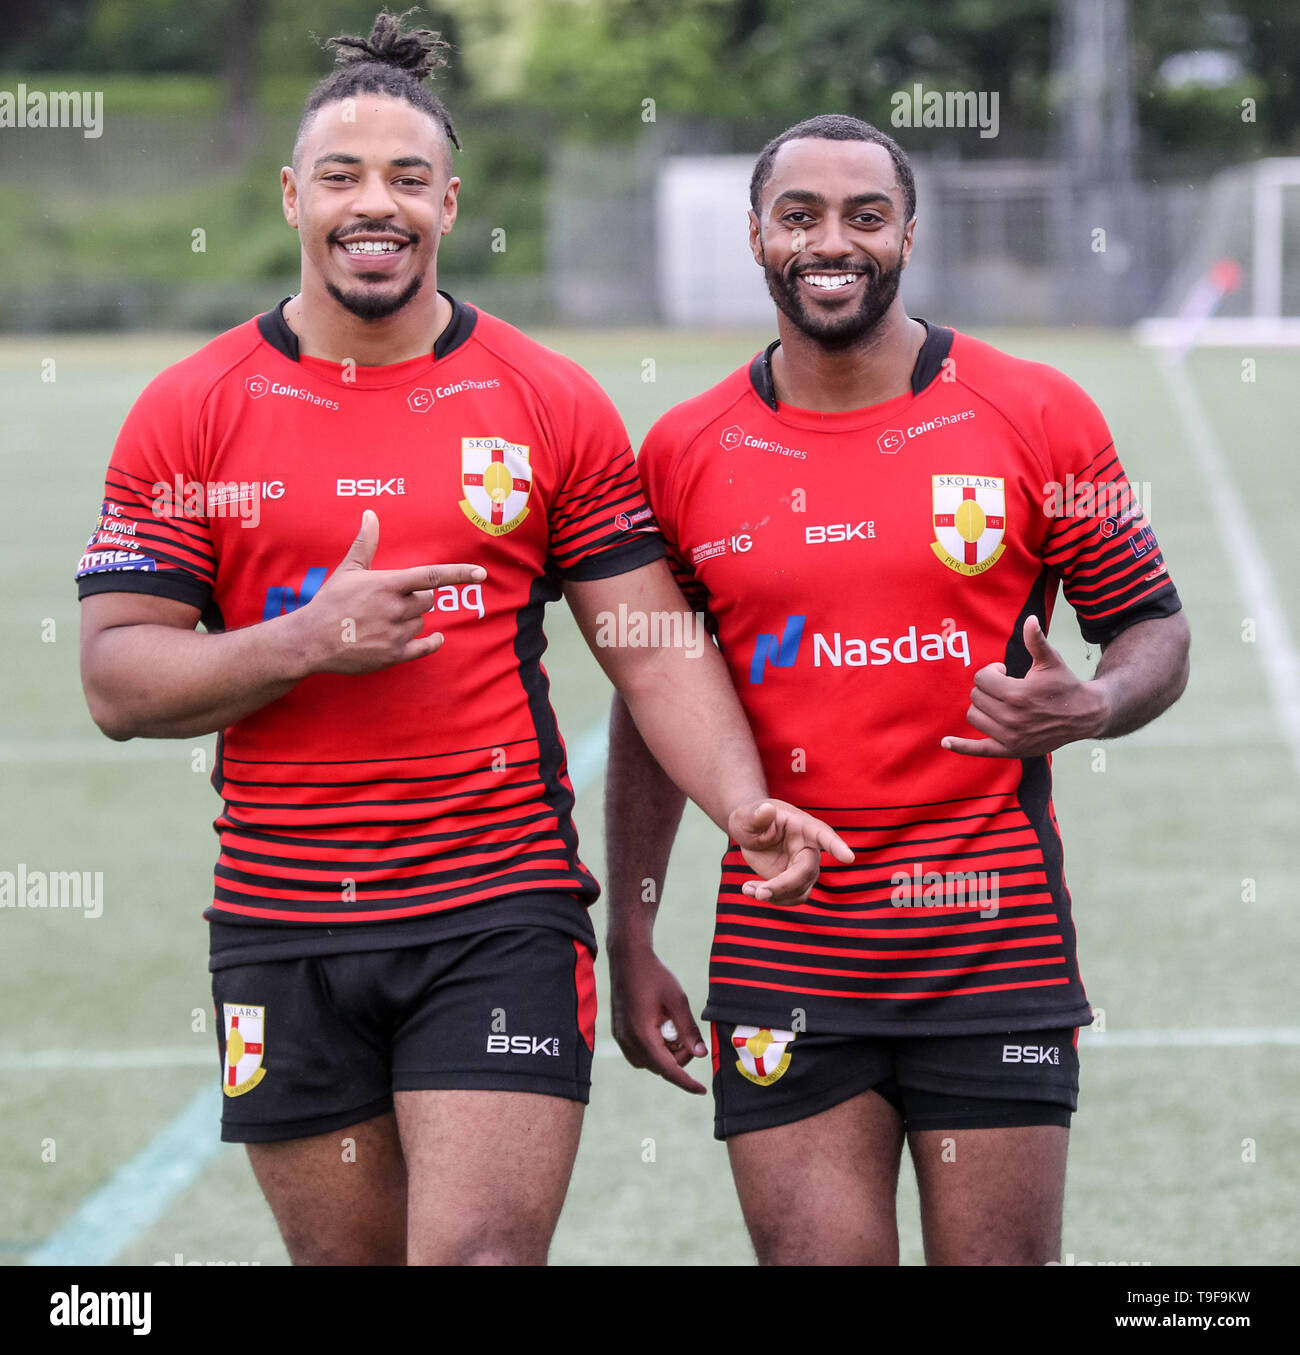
(371, 246)
(829, 281)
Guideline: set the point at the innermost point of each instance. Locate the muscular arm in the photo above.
(1142, 672)
(148, 673)
(677, 725)
(643, 809)
(679, 696)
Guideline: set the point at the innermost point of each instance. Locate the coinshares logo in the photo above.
(836, 650)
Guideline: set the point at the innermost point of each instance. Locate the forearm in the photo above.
(1142, 672)
(693, 726)
(643, 809)
(159, 682)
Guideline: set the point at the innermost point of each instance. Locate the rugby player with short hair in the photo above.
(872, 513)
(401, 951)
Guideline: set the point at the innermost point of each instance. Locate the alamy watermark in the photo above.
(918, 107)
(631, 628)
(214, 499)
(81, 108)
(23, 888)
(945, 889)
(1121, 500)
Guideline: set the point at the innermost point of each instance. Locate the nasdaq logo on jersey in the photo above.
(449, 597)
(837, 650)
(780, 652)
(282, 601)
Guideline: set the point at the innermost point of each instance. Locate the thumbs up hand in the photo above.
(1035, 714)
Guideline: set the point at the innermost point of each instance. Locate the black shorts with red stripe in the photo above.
(763, 1077)
(319, 1042)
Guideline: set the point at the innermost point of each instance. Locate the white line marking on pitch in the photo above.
(1131, 1039)
(1277, 651)
(104, 1060)
(1190, 1039)
(99, 750)
(138, 1194)
(93, 1060)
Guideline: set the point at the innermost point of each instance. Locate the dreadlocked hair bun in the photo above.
(420, 51)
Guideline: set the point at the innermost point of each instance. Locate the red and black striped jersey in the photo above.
(238, 482)
(860, 568)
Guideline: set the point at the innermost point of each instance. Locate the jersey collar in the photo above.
(277, 333)
(929, 363)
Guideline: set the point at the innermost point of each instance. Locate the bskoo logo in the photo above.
(524, 1044)
(368, 489)
(838, 531)
(1031, 1053)
(837, 650)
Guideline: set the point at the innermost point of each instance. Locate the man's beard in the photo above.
(373, 305)
(835, 332)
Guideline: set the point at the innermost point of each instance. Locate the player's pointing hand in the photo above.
(364, 619)
(1033, 715)
(784, 845)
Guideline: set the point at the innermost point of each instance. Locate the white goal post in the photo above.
(1240, 286)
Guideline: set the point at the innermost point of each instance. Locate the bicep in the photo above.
(642, 592)
(101, 612)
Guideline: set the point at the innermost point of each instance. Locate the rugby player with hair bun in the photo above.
(401, 952)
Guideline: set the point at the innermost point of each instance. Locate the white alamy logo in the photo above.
(81, 108)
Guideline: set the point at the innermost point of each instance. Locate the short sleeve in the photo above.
(1098, 535)
(655, 464)
(600, 523)
(153, 532)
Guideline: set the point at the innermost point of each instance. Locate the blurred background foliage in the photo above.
(201, 100)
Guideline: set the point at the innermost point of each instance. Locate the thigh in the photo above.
(814, 1150)
(338, 1198)
(306, 1086)
(491, 1072)
(822, 1191)
(488, 1172)
(988, 1127)
(991, 1196)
